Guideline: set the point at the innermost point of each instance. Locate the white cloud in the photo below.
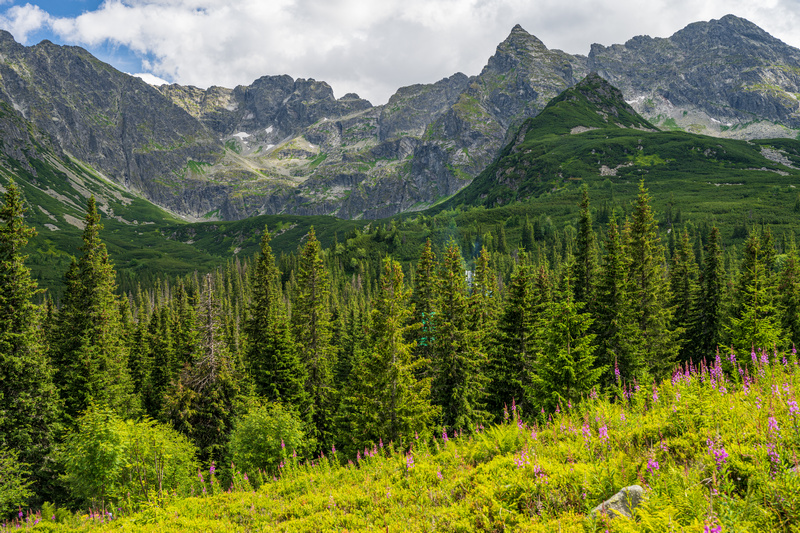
(21, 21)
(365, 46)
(149, 78)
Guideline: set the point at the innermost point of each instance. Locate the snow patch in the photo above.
(242, 135)
(150, 79)
(249, 116)
(269, 130)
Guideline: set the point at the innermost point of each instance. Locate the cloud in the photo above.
(21, 21)
(363, 46)
(149, 78)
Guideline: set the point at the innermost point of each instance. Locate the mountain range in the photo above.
(71, 124)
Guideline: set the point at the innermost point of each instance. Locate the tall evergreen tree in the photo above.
(565, 369)
(271, 355)
(706, 332)
(88, 350)
(585, 269)
(205, 401)
(513, 349)
(424, 301)
(28, 400)
(485, 300)
(683, 285)
(649, 288)
(619, 337)
(312, 332)
(459, 384)
(392, 403)
(756, 324)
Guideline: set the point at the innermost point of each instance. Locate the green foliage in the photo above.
(267, 437)
(111, 462)
(14, 482)
(28, 399)
(88, 352)
(699, 444)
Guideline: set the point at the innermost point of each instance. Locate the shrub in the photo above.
(110, 461)
(14, 483)
(266, 437)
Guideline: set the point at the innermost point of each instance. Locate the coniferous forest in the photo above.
(115, 401)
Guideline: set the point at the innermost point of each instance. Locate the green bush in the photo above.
(14, 483)
(112, 461)
(267, 437)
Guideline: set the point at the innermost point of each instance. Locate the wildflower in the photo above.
(655, 394)
(333, 449)
(652, 466)
(622, 416)
(712, 529)
(409, 461)
(773, 426)
(616, 371)
(793, 410)
(439, 474)
(381, 443)
(212, 469)
(283, 446)
(603, 433)
(593, 393)
(444, 435)
(587, 433)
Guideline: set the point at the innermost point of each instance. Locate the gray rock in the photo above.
(622, 503)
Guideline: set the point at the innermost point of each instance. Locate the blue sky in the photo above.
(370, 47)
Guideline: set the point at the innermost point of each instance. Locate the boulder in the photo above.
(622, 503)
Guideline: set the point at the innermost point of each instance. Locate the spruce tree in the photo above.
(312, 332)
(271, 355)
(88, 351)
(756, 324)
(649, 288)
(565, 370)
(513, 349)
(683, 285)
(707, 330)
(28, 400)
(585, 266)
(206, 399)
(424, 301)
(392, 404)
(619, 337)
(459, 383)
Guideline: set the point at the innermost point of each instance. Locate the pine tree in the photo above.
(683, 286)
(392, 403)
(585, 269)
(706, 332)
(756, 324)
(565, 369)
(271, 354)
(312, 332)
(649, 288)
(484, 301)
(206, 399)
(514, 345)
(162, 354)
(88, 349)
(528, 236)
(424, 301)
(789, 291)
(28, 400)
(458, 366)
(619, 337)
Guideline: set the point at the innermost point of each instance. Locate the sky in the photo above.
(369, 47)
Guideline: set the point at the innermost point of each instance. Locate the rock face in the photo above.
(622, 503)
(725, 77)
(281, 145)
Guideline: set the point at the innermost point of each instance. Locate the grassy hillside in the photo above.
(715, 449)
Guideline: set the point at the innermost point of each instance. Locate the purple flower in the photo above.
(333, 449)
(652, 466)
(212, 469)
(439, 474)
(713, 529)
(409, 461)
(603, 433)
(793, 410)
(444, 435)
(773, 426)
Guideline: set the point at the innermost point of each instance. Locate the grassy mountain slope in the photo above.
(589, 135)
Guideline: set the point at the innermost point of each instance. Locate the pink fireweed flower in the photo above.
(772, 424)
(444, 435)
(409, 461)
(603, 433)
(652, 466)
(655, 394)
(587, 433)
(283, 446)
(439, 474)
(793, 410)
